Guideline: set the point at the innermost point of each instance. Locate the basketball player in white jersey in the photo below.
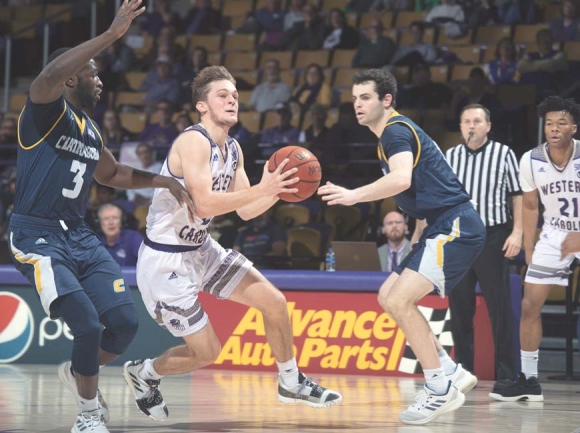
(551, 170)
(178, 258)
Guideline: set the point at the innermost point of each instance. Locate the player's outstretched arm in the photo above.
(397, 181)
(49, 84)
(194, 153)
(111, 173)
(530, 216)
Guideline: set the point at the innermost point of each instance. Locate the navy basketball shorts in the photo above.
(58, 260)
(448, 248)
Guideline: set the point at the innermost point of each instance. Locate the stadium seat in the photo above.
(330, 4)
(439, 73)
(237, 7)
(17, 101)
(283, 57)
(211, 43)
(129, 98)
(240, 42)
(305, 58)
(292, 215)
(135, 79)
(572, 50)
(461, 72)
(250, 77)
(444, 40)
(343, 220)
(406, 38)
(491, 35)
(250, 120)
(525, 33)
(304, 242)
(342, 58)
(240, 61)
(343, 77)
(54, 10)
(467, 54)
(133, 122)
(405, 18)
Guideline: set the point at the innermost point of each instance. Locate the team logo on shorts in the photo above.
(16, 327)
(177, 324)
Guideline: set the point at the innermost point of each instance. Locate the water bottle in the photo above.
(330, 262)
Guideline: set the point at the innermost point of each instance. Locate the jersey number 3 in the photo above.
(79, 168)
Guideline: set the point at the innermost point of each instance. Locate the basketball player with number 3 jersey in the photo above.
(179, 259)
(552, 171)
(60, 151)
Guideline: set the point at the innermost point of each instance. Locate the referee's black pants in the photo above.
(492, 271)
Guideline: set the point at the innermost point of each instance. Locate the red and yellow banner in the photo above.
(336, 333)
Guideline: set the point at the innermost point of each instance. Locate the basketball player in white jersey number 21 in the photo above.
(178, 258)
(552, 171)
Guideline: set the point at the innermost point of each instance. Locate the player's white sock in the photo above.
(435, 380)
(288, 372)
(530, 363)
(147, 372)
(86, 405)
(449, 366)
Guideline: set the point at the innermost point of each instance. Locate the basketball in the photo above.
(309, 171)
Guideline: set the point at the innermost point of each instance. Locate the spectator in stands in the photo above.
(317, 132)
(338, 35)
(268, 20)
(122, 244)
(314, 89)
(294, 14)
(417, 51)
(390, 5)
(545, 67)
(8, 130)
(166, 44)
(566, 27)
(423, 93)
(163, 133)
(193, 64)
(392, 253)
(114, 135)
(510, 12)
(503, 69)
(241, 134)
(448, 17)
(262, 237)
(482, 13)
(375, 50)
(283, 132)
(202, 19)
(272, 91)
(307, 34)
(120, 56)
(144, 152)
(347, 130)
(183, 121)
(160, 16)
(476, 91)
(161, 85)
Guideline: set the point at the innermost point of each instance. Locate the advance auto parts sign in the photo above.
(333, 332)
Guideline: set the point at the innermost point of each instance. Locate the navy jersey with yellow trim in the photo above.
(434, 187)
(59, 148)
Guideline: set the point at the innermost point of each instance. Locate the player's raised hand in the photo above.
(128, 11)
(334, 194)
(278, 182)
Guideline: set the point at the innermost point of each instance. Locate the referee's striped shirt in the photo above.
(490, 176)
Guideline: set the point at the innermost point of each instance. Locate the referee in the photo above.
(489, 173)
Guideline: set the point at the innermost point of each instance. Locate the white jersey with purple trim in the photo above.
(559, 187)
(168, 222)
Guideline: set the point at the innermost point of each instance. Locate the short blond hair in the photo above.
(202, 81)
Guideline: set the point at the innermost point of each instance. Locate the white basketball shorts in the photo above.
(170, 282)
(547, 267)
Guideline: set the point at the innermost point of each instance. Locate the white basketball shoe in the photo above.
(429, 405)
(463, 380)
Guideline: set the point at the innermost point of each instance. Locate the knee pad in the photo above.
(79, 313)
(121, 324)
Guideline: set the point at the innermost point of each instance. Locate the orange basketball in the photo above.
(309, 171)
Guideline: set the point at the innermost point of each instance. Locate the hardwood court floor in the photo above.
(33, 400)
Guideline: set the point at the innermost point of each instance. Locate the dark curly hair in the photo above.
(385, 82)
(555, 103)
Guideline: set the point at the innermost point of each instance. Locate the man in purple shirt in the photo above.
(162, 86)
(162, 133)
(283, 133)
(122, 244)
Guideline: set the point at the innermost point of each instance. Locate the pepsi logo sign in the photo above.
(16, 327)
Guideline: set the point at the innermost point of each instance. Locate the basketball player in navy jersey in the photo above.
(60, 151)
(424, 187)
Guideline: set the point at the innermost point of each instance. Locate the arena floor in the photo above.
(32, 399)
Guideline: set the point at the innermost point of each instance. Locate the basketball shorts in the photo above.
(546, 266)
(170, 282)
(60, 259)
(448, 248)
